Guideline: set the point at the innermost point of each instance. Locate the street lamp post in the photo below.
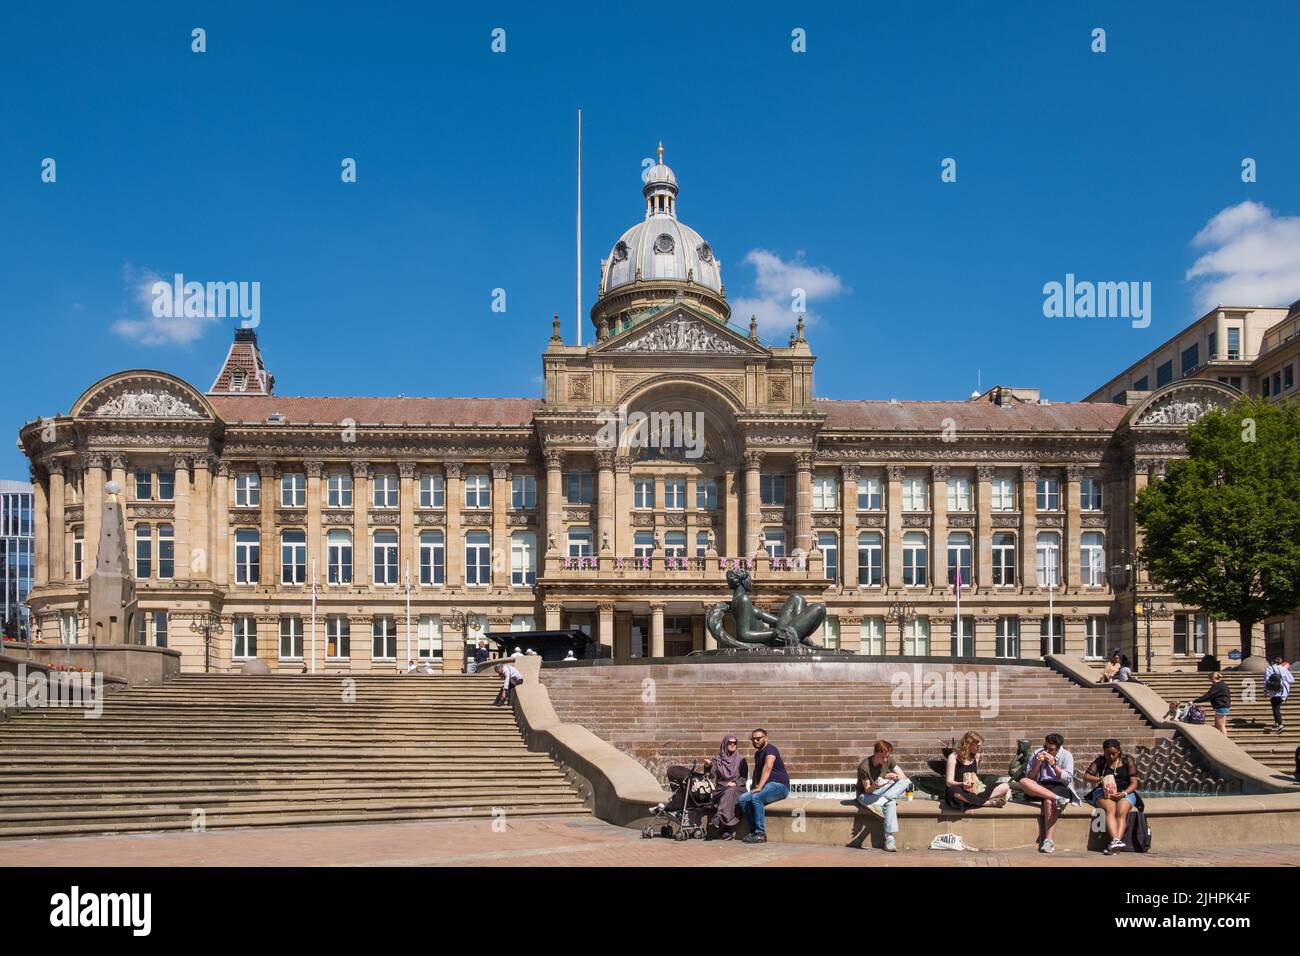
(904, 612)
(1152, 609)
(207, 625)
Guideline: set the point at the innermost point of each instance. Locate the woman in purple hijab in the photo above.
(730, 770)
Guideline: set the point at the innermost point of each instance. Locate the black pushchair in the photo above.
(687, 814)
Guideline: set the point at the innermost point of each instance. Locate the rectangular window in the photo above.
(871, 636)
(771, 489)
(1191, 359)
(166, 552)
(433, 558)
(433, 491)
(962, 636)
(830, 549)
(916, 560)
(1092, 559)
(244, 633)
(1165, 373)
(1004, 494)
(916, 637)
(1049, 559)
(579, 542)
(675, 544)
(384, 490)
(701, 543)
(643, 544)
(870, 559)
(825, 494)
(958, 494)
(1212, 347)
(159, 628)
(478, 559)
(831, 633)
(523, 559)
(579, 487)
(384, 644)
(248, 556)
(248, 489)
(429, 637)
(1234, 343)
(959, 558)
(914, 495)
(1142, 384)
(338, 491)
(523, 492)
(869, 494)
(293, 557)
(675, 494)
(293, 490)
(1090, 494)
(478, 491)
(643, 493)
(1049, 494)
(774, 541)
(143, 484)
(290, 638)
(1095, 645)
(78, 553)
(1051, 635)
(1288, 377)
(338, 637)
(143, 551)
(1008, 643)
(166, 486)
(1191, 634)
(338, 558)
(385, 557)
(706, 494)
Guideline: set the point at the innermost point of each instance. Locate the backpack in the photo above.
(1193, 715)
(1137, 831)
(1272, 680)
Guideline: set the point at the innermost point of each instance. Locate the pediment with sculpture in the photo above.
(681, 331)
(1182, 404)
(149, 396)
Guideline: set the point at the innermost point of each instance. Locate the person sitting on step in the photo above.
(730, 772)
(965, 790)
(1116, 776)
(771, 783)
(1049, 777)
(881, 781)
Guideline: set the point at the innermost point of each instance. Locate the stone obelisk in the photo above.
(112, 589)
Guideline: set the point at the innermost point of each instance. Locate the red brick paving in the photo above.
(548, 842)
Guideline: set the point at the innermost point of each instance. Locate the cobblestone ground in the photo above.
(545, 842)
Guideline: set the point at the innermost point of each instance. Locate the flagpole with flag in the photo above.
(313, 615)
(957, 590)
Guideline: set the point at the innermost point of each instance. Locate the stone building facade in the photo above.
(673, 447)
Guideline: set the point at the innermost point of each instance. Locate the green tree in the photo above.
(1223, 527)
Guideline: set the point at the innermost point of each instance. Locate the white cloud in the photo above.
(1252, 258)
(150, 329)
(776, 282)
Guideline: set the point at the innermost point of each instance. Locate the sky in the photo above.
(820, 169)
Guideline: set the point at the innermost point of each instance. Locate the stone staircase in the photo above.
(824, 727)
(233, 750)
(1249, 722)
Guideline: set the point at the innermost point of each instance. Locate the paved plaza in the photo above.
(546, 842)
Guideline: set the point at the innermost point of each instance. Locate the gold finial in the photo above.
(661, 152)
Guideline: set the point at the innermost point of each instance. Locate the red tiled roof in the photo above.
(977, 416)
(373, 411)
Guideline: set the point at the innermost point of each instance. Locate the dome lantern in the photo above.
(660, 189)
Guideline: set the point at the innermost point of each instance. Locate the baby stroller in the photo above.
(693, 802)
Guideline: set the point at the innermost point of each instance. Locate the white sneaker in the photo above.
(877, 809)
(1115, 845)
(1062, 802)
(1047, 847)
(949, 841)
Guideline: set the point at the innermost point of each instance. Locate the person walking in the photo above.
(881, 781)
(1220, 698)
(1049, 777)
(771, 783)
(511, 678)
(1277, 681)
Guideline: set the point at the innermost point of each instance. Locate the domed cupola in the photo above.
(659, 260)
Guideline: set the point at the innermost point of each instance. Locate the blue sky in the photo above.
(821, 166)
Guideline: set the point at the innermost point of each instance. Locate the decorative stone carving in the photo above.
(580, 387)
(145, 404)
(1008, 519)
(1074, 472)
(984, 472)
(92, 460)
(74, 514)
(223, 468)
(244, 516)
(871, 519)
(803, 461)
(117, 461)
(704, 518)
(454, 469)
(554, 458)
(778, 389)
(826, 521)
(894, 472)
(941, 472)
(1051, 521)
(476, 519)
(1156, 467)
(604, 458)
(436, 519)
(134, 510)
(181, 462)
(388, 516)
(1029, 473)
(643, 519)
(406, 469)
(961, 520)
(623, 463)
(916, 521)
(675, 519)
(582, 513)
(1093, 520)
(337, 518)
(519, 519)
(753, 460)
(768, 515)
(849, 473)
(314, 467)
(290, 517)
(501, 469)
(681, 335)
(733, 382)
(1174, 412)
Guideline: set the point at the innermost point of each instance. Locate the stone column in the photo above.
(729, 543)
(1074, 634)
(606, 620)
(894, 529)
(552, 616)
(500, 532)
(656, 630)
(455, 536)
(1145, 471)
(182, 524)
(554, 482)
(406, 554)
(41, 530)
(217, 565)
(803, 530)
(983, 529)
(604, 530)
(622, 537)
(93, 502)
(201, 526)
(851, 633)
(849, 532)
(986, 636)
(362, 553)
(270, 546)
(1070, 541)
(939, 527)
(753, 502)
(117, 466)
(57, 533)
(315, 546)
(1029, 527)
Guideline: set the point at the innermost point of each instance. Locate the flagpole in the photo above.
(313, 615)
(408, 612)
(578, 276)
